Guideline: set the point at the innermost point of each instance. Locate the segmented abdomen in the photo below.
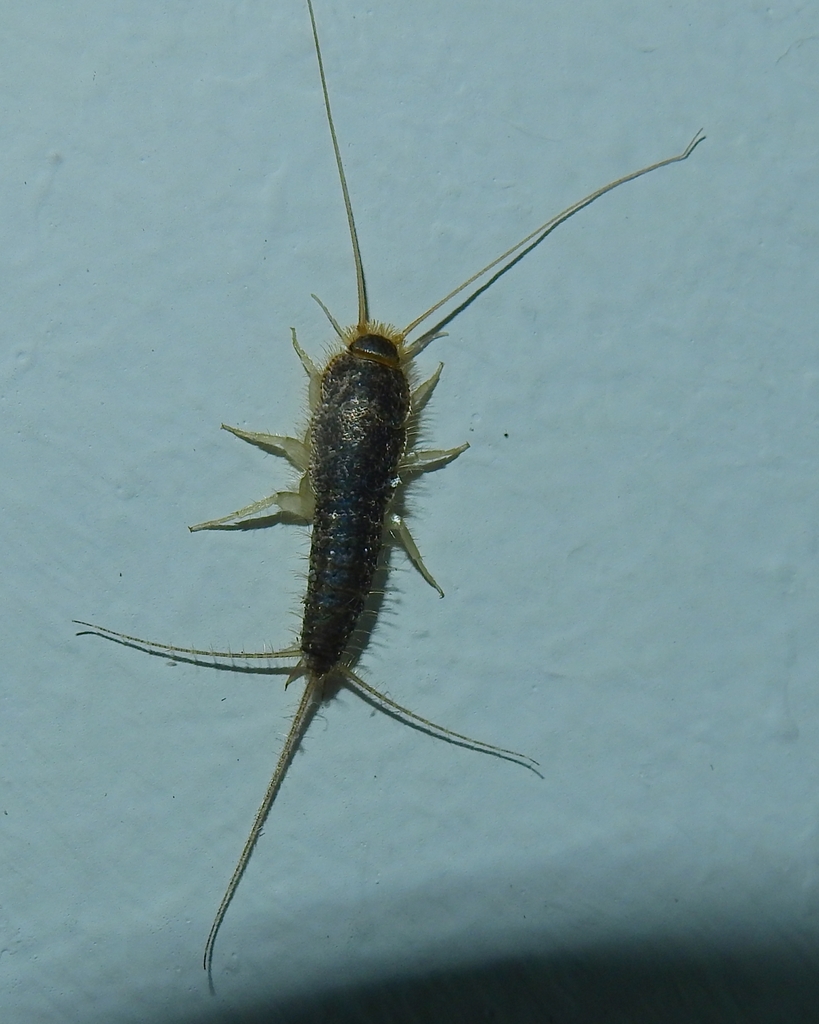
(357, 436)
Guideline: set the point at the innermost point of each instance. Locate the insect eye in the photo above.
(377, 348)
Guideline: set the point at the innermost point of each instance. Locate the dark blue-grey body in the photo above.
(357, 436)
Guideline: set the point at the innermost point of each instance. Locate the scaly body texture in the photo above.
(357, 436)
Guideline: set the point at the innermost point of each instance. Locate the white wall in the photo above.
(631, 573)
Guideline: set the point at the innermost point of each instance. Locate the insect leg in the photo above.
(314, 390)
(413, 464)
(290, 448)
(421, 395)
(400, 533)
(296, 504)
(288, 501)
(306, 361)
(425, 459)
(456, 737)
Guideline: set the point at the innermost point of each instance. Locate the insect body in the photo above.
(357, 437)
(353, 461)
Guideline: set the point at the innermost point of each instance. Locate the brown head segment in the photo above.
(377, 348)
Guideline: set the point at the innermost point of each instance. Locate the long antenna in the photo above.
(363, 307)
(543, 231)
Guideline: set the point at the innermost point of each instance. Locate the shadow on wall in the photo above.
(627, 984)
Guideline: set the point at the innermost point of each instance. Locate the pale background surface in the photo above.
(629, 548)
